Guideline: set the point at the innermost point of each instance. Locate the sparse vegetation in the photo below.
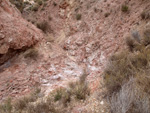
(54, 3)
(18, 106)
(6, 107)
(59, 94)
(78, 17)
(49, 18)
(124, 8)
(18, 3)
(146, 37)
(127, 77)
(145, 15)
(32, 54)
(40, 2)
(78, 89)
(57, 102)
(44, 4)
(106, 14)
(96, 10)
(35, 7)
(44, 26)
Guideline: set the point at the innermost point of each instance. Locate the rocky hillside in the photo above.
(16, 35)
(78, 35)
(89, 32)
(15, 32)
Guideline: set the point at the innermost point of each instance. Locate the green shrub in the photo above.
(78, 16)
(59, 94)
(80, 88)
(124, 8)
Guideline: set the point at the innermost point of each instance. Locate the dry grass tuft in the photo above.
(124, 8)
(146, 37)
(44, 26)
(19, 4)
(6, 107)
(32, 54)
(145, 15)
(127, 79)
(78, 16)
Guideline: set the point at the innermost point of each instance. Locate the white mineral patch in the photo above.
(48, 84)
(93, 68)
(44, 81)
(68, 71)
(59, 76)
(102, 57)
(52, 68)
(102, 102)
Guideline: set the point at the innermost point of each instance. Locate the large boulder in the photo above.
(15, 32)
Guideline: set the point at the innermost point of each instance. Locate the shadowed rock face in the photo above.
(15, 32)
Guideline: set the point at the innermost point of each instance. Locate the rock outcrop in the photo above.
(15, 32)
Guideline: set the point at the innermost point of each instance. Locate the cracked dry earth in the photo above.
(77, 45)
